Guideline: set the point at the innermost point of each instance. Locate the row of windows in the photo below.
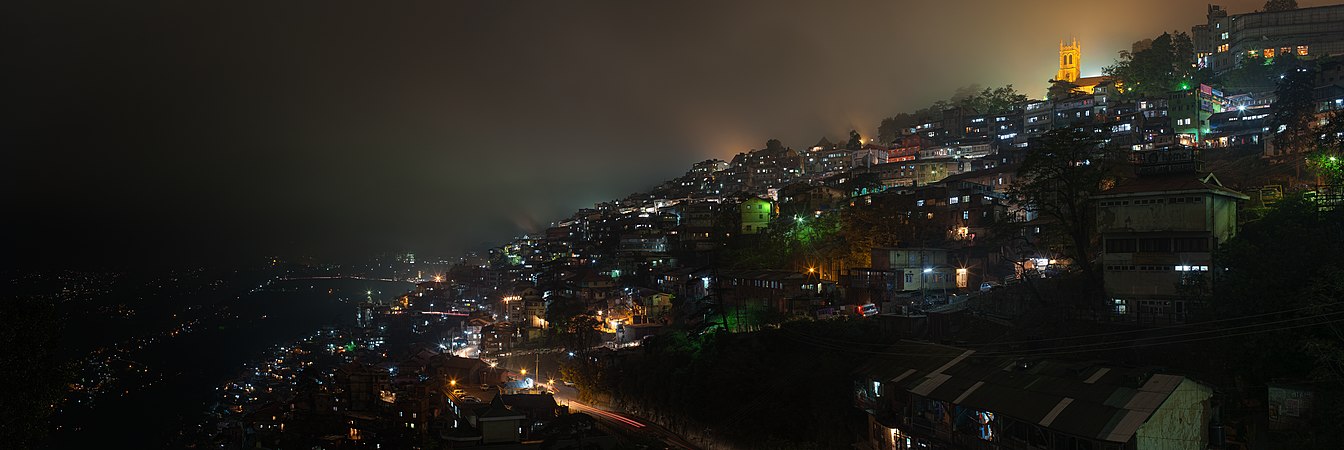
(1152, 201)
(1157, 245)
(1270, 52)
(1151, 268)
(758, 283)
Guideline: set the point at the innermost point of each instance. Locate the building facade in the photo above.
(1159, 232)
(1303, 32)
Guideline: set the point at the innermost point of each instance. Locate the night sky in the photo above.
(197, 129)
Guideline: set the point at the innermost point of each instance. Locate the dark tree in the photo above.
(994, 100)
(1328, 159)
(1280, 5)
(891, 127)
(1294, 111)
(1255, 74)
(1156, 70)
(774, 144)
(1287, 268)
(1058, 178)
(855, 141)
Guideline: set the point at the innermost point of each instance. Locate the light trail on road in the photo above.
(444, 313)
(609, 415)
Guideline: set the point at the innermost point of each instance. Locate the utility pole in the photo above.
(923, 279)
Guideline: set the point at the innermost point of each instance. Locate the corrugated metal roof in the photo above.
(1082, 399)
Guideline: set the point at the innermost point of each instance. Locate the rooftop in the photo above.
(1084, 399)
(1172, 183)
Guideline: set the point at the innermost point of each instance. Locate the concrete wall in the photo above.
(499, 431)
(1181, 423)
(1165, 216)
(896, 258)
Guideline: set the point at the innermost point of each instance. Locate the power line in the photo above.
(1112, 333)
(1075, 349)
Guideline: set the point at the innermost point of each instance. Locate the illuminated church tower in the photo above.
(1068, 61)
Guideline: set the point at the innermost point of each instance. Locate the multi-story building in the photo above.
(698, 227)
(1159, 233)
(1038, 117)
(1005, 127)
(701, 179)
(1074, 110)
(916, 268)
(826, 158)
(760, 170)
(895, 174)
(749, 295)
(1239, 127)
(1303, 32)
(1156, 125)
(805, 200)
(868, 156)
(756, 214)
(1190, 110)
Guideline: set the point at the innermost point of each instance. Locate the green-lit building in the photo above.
(1190, 110)
(756, 214)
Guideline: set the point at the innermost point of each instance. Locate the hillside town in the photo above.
(992, 271)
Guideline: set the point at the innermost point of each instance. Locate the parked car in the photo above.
(989, 286)
(459, 392)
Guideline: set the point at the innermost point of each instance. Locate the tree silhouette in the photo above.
(1057, 179)
(855, 141)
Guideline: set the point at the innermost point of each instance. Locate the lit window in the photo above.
(1302, 50)
(1224, 35)
(1269, 53)
(1222, 48)
(1253, 53)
